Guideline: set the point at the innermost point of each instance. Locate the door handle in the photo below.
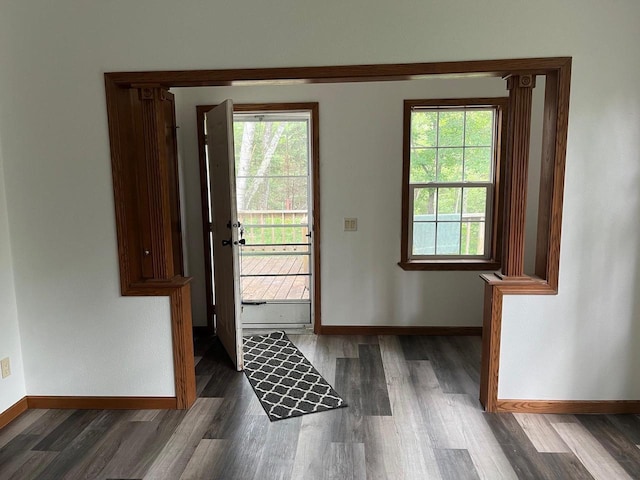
(226, 242)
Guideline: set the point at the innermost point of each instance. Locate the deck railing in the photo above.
(268, 231)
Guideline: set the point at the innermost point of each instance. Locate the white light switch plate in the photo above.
(350, 224)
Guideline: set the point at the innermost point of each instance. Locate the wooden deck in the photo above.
(291, 287)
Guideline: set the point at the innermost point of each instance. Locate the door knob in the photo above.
(226, 242)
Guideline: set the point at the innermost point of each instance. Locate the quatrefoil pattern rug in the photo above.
(285, 382)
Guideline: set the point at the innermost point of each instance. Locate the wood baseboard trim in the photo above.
(568, 406)
(13, 412)
(392, 330)
(103, 403)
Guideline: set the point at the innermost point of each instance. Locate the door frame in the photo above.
(518, 72)
(313, 107)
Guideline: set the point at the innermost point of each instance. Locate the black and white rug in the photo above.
(285, 382)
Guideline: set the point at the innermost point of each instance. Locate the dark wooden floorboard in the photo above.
(81, 445)
(346, 423)
(67, 431)
(375, 396)
(456, 464)
(12, 453)
(413, 414)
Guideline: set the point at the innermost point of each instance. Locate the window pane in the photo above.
(271, 147)
(424, 238)
(475, 203)
(423, 165)
(473, 238)
(450, 165)
(423, 129)
(477, 164)
(424, 203)
(451, 129)
(479, 128)
(449, 204)
(259, 193)
(448, 238)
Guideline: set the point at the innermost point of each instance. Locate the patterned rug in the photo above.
(286, 384)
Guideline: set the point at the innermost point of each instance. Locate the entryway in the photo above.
(271, 160)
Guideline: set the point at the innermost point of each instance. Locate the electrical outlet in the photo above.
(350, 224)
(5, 365)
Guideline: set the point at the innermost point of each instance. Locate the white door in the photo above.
(220, 152)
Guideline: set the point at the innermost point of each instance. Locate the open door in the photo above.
(225, 226)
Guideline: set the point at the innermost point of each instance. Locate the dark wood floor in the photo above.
(412, 414)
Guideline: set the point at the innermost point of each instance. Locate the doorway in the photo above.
(136, 152)
(278, 200)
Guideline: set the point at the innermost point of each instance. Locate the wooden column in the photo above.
(155, 208)
(518, 138)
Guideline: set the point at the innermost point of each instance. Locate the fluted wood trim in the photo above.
(517, 141)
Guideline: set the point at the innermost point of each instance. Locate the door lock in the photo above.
(242, 241)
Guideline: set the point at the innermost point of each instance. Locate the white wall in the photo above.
(80, 337)
(12, 388)
(360, 176)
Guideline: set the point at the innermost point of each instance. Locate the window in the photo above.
(451, 183)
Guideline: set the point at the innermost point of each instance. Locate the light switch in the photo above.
(350, 224)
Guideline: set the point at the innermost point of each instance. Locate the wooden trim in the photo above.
(313, 107)
(490, 363)
(554, 151)
(13, 412)
(118, 99)
(501, 104)
(397, 330)
(480, 265)
(315, 182)
(340, 73)
(495, 289)
(204, 209)
(123, 137)
(178, 290)
(102, 403)
(183, 359)
(569, 406)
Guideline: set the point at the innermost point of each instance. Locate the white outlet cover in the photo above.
(5, 367)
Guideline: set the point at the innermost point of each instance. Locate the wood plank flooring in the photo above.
(293, 286)
(412, 414)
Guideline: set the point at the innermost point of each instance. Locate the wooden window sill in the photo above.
(481, 265)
